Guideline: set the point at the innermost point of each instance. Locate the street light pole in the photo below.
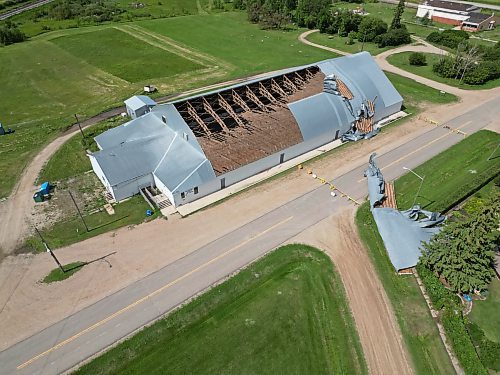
(47, 248)
(421, 183)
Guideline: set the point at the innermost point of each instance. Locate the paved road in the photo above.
(65, 344)
(23, 8)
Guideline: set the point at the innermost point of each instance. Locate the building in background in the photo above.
(448, 12)
(479, 22)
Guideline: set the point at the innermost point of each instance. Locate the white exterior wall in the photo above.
(439, 12)
(164, 189)
(100, 175)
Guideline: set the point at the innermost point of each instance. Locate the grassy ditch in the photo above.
(453, 175)
(286, 313)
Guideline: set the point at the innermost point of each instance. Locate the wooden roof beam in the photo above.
(216, 117)
(224, 104)
(192, 112)
(251, 95)
(277, 88)
(239, 100)
(267, 94)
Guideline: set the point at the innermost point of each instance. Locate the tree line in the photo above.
(321, 14)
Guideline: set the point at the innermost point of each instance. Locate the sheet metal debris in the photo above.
(402, 231)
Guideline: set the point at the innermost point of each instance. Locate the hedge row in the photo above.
(453, 322)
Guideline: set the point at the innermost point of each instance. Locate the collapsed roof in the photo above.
(192, 141)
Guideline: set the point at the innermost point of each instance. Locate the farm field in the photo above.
(286, 313)
(36, 21)
(134, 60)
(57, 84)
(401, 61)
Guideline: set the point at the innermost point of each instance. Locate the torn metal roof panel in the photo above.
(402, 237)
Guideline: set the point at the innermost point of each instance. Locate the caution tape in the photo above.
(333, 187)
(458, 131)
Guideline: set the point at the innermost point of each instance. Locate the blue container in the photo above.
(45, 188)
(148, 213)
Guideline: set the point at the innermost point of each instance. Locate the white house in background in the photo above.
(139, 105)
(448, 12)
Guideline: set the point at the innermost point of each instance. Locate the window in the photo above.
(183, 195)
(196, 189)
(185, 136)
(164, 119)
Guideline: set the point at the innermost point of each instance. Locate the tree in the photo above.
(370, 28)
(463, 252)
(417, 59)
(394, 37)
(398, 13)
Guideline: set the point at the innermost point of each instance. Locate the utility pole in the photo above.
(79, 126)
(47, 248)
(420, 187)
(79, 213)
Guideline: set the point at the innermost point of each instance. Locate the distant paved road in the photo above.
(65, 344)
(23, 8)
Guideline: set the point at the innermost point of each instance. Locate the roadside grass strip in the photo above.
(286, 313)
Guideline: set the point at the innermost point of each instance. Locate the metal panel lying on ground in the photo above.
(402, 231)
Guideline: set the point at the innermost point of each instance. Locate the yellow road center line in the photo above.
(152, 294)
(420, 148)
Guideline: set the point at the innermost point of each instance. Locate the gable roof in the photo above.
(139, 101)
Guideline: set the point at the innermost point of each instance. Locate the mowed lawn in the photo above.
(45, 81)
(401, 61)
(486, 313)
(124, 56)
(452, 175)
(285, 314)
(229, 37)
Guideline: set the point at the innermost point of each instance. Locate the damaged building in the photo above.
(196, 146)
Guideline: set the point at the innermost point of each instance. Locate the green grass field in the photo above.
(401, 61)
(486, 313)
(419, 331)
(124, 56)
(285, 314)
(45, 85)
(452, 175)
(339, 42)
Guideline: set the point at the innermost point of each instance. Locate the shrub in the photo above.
(448, 38)
(445, 67)
(454, 326)
(484, 72)
(394, 37)
(370, 28)
(418, 59)
(439, 295)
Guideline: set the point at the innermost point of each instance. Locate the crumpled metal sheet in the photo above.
(402, 231)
